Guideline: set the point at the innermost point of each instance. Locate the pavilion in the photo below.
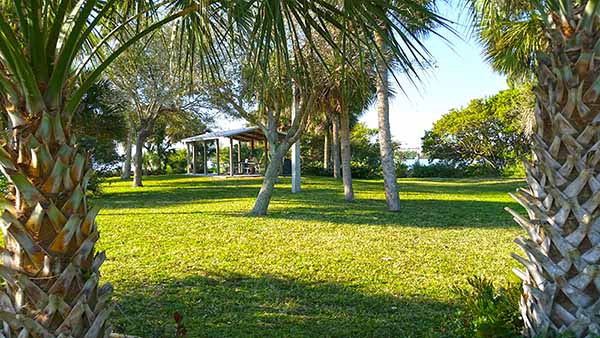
(250, 135)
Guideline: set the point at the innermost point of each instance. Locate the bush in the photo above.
(486, 310)
(402, 170)
(451, 170)
(316, 169)
(516, 170)
(94, 187)
(177, 162)
(364, 170)
(437, 170)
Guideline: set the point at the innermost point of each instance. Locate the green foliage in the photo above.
(177, 162)
(488, 132)
(510, 32)
(99, 125)
(449, 170)
(366, 161)
(487, 311)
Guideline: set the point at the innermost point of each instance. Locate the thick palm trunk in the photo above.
(335, 146)
(261, 204)
(561, 281)
(385, 135)
(50, 269)
(346, 154)
(126, 172)
(138, 172)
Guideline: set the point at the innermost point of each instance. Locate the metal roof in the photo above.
(244, 134)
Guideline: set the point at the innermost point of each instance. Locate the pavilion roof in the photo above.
(242, 134)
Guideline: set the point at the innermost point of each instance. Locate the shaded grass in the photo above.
(316, 266)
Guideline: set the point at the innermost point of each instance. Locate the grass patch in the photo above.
(315, 267)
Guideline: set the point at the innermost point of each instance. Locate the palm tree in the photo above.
(385, 134)
(558, 42)
(417, 24)
(335, 145)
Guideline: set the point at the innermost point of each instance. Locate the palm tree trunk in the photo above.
(126, 172)
(50, 269)
(138, 172)
(346, 154)
(561, 281)
(261, 204)
(335, 146)
(385, 135)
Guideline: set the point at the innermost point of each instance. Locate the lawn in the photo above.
(315, 267)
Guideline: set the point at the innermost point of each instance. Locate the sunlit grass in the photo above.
(315, 267)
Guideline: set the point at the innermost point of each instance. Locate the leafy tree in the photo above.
(487, 132)
(100, 124)
(158, 94)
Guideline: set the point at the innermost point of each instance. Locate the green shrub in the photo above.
(97, 179)
(316, 169)
(177, 162)
(486, 311)
(436, 170)
(516, 170)
(365, 170)
(402, 170)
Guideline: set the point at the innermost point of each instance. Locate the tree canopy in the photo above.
(488, 132)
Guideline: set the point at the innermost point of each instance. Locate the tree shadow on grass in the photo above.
(424, 203)
(414, 213)
(234, 305)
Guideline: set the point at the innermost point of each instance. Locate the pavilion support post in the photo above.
(253, 156)
(239, 156)
(230, 157)
(296, 172)
(204, 158)
(189, 162)
(218, 158)
(194, 158)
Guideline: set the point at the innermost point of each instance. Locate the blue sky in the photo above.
(461, 75)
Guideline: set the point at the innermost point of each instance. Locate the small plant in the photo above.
(486, 311)
(181, 331)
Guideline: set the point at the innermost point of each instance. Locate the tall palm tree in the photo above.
(385, 134)
(557, 41)
(418, 24)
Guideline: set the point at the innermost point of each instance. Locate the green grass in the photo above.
(315, 267)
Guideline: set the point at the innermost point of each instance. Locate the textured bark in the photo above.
(126, 172)
(346, 154)
(50, 268)
(261, 204)
(561, 281)
(138, 159)
(386, 148)
(335, 147)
